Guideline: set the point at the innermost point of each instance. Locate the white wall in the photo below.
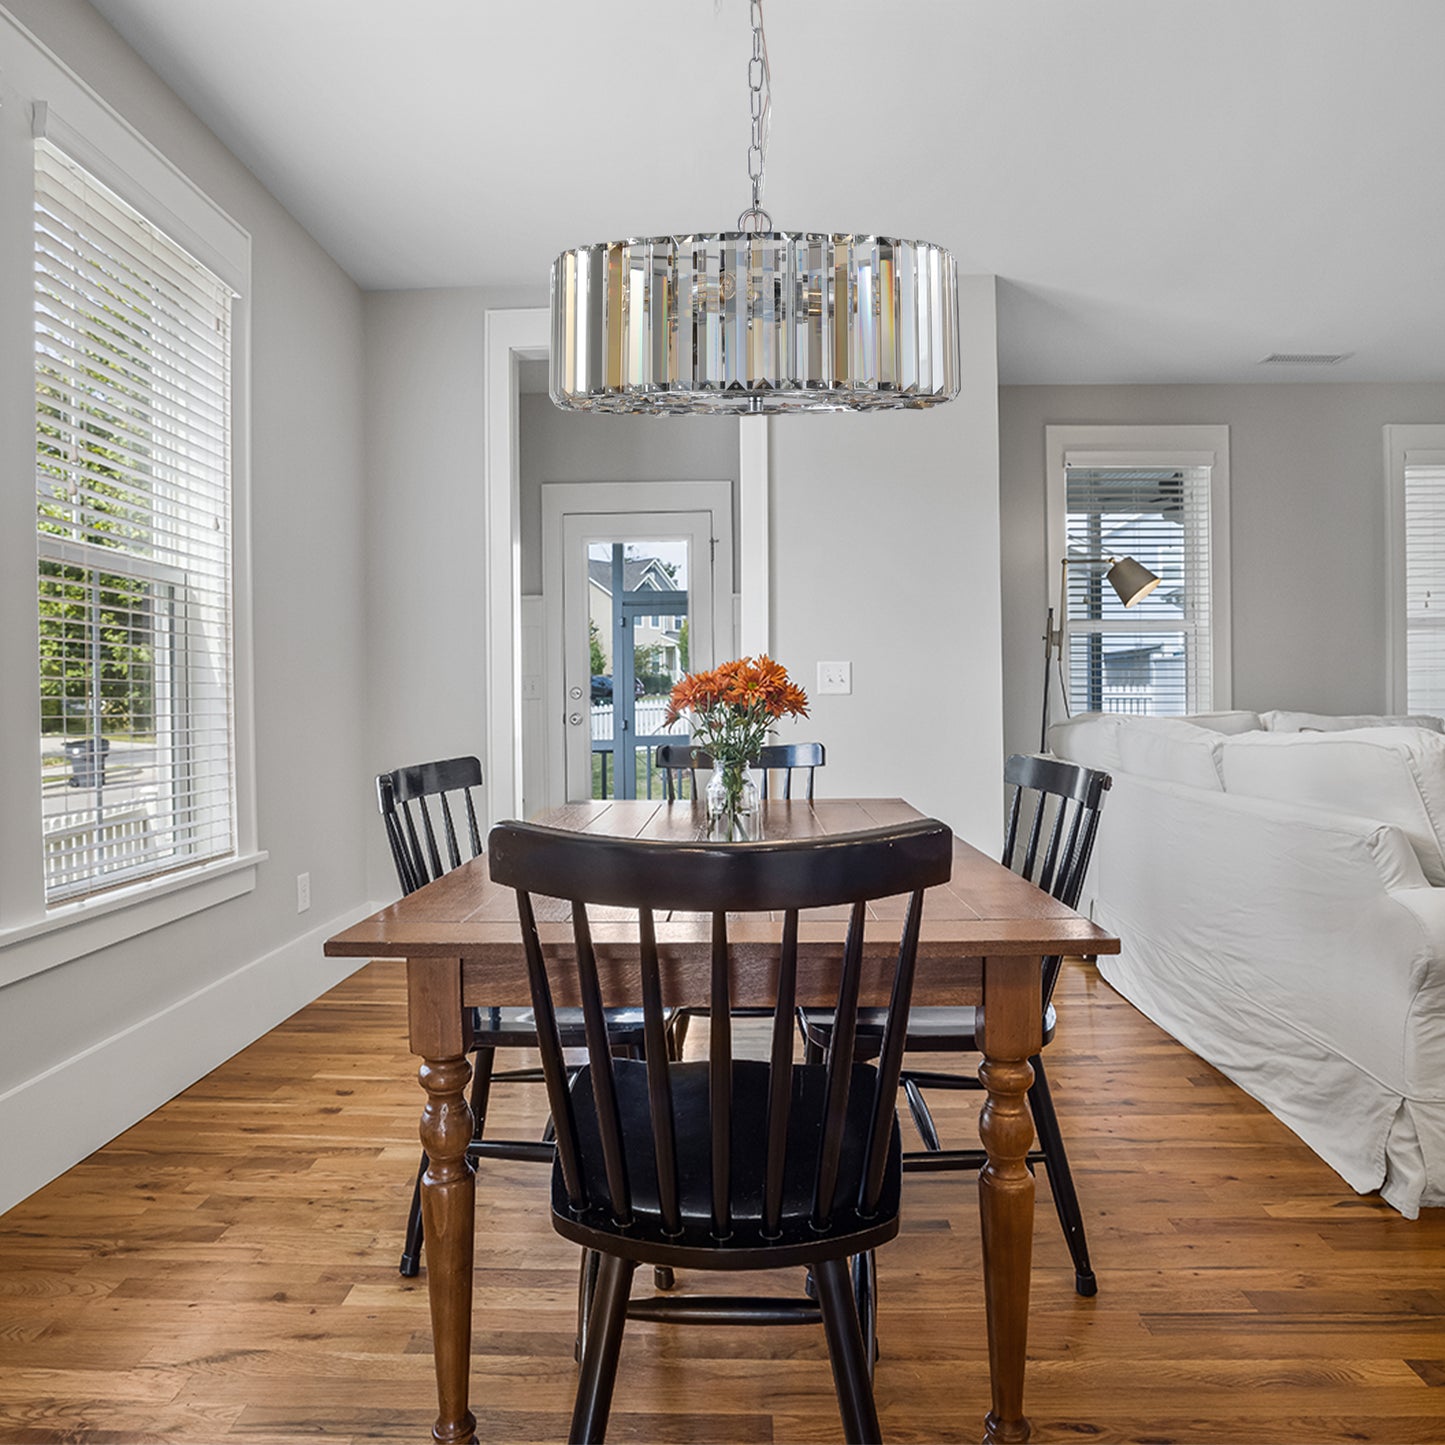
(885, 532)
(92, 1045)
(1307, 524)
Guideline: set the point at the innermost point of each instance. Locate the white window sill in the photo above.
(75, 929)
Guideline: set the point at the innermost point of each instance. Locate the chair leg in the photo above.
(922, 1115)
(814, 1053)
(586, 1289)
(851, 1374)
(677, 1034)
(483, 1062)
(1061, 1179)
(865, 1295)
(410, 1265)
(608, 1318)
(411, 1250)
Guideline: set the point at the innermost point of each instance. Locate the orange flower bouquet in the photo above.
(731, 708)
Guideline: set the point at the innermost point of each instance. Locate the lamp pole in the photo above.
(1130, 579)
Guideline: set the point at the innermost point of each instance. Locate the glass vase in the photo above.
(731, 791)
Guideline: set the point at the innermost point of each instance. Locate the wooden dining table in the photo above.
(984, 936)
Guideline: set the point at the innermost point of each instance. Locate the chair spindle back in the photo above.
(788, 758)
(408, 798)
(1059, 803)
(675, 759)
(719, 880)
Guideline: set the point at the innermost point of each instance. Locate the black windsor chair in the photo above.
(1073, 795)
(408, 797)
(676, 759)
(722, 1164)
(790, 758)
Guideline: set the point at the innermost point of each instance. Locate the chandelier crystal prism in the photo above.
(754, 320)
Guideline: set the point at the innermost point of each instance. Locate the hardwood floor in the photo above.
(226, 1270)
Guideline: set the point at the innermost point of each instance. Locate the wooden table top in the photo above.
(984, 909)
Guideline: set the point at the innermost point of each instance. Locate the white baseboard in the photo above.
(55, 1119)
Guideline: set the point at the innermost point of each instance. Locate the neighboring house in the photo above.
(660, 630)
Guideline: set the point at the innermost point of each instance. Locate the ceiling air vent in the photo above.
(1305, 358)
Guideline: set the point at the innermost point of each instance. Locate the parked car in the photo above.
(602, 687)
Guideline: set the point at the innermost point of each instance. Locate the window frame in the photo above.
(56, 106)
(1127, 446)
(1422, 443)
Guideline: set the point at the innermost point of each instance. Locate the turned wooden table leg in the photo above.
(448, 1200)
(1011, 1034)
(440, 1033)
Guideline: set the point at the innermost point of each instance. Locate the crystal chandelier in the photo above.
(754, 320)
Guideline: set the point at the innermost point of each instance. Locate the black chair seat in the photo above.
(645, 1238)
(516, 1028)
(930, 1030)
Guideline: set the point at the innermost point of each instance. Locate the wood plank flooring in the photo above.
(226, 1271)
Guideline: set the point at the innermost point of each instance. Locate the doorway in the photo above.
(512, 336)
(637, 590)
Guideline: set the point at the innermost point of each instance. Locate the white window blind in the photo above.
(133, 480)
(1154, 657)
(1424, 587)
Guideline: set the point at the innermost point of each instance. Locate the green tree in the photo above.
(682, 645)
(594, 644)
(96, 627)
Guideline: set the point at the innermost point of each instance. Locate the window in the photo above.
(1415, 467)
(1158, 495)
(133, 469)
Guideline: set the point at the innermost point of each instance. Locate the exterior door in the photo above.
(645, 597)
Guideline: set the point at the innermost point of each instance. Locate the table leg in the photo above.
(1011, 1034)
(448, 1203)
(440, 1032)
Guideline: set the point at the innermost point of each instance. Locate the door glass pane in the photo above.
(638, 624)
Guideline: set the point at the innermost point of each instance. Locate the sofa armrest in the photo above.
(1322, 919)
(1427, 906)
(1424, 1042)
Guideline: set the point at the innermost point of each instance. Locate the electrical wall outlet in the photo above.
(303, 892)
(835, 677)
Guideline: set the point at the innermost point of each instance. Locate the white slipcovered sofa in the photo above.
(1278, 882)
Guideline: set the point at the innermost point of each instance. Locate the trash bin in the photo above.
(87, 761)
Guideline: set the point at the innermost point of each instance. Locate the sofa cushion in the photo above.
(1226, 722)
(1171, 750)
(1317, 722)
(1393, 774)
(1090, 738)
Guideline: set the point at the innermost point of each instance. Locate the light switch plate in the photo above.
(835, 677)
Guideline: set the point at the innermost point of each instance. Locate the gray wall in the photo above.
(1307, 534)
(884, 551)
(568, 446)
(140, 1000)
(885, 554)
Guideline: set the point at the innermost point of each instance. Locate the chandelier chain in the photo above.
(760, 102)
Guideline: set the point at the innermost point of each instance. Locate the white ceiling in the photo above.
(1168, 190)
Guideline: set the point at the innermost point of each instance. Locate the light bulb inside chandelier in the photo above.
(754, 320)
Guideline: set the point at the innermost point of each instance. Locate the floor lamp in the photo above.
(1130, 579)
